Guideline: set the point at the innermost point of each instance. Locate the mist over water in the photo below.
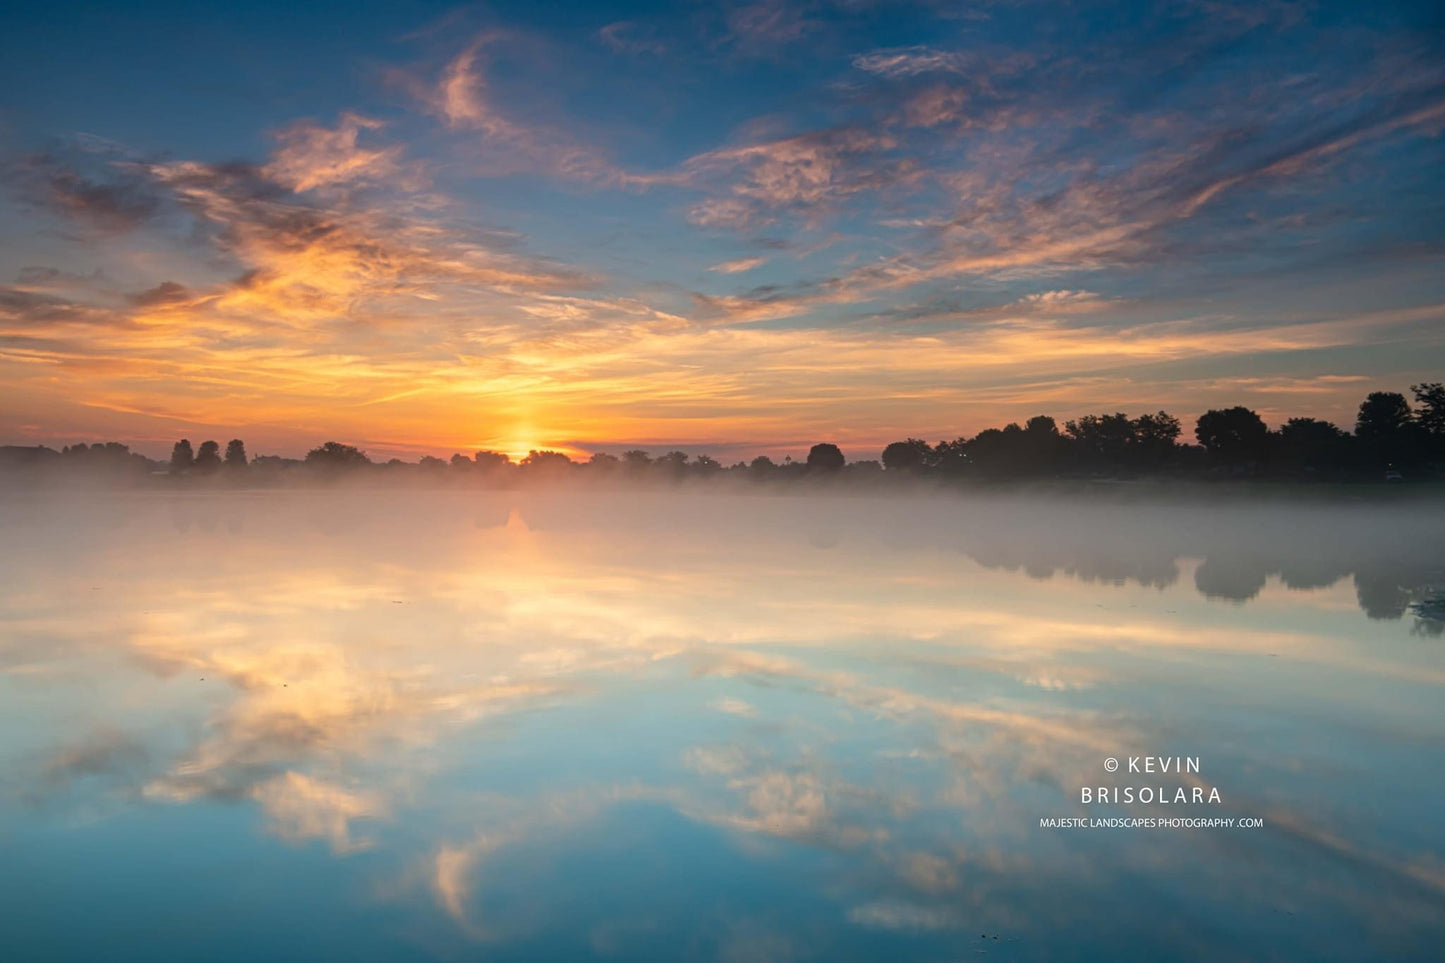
(399, 724)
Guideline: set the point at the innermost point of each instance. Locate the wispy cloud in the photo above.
(808, 174)
(311, 156)
(628, 37)
(766, 24)
(739, 266)
(902, 62)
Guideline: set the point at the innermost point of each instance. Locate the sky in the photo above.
(729, 228)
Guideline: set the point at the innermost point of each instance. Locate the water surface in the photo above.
(504, 726)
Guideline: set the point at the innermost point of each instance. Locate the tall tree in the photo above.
(1385, 427)
(1430, 408)
(208, 458)
(1383, 415)
(182, 457)
(235, 453)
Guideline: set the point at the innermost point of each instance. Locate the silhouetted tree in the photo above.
(1103, 441)
(1043, 447)
(672, 465)
(335, 456)
(907, 456)
(1233, 436)
(762, 467)
(953, 458)
(1042, 426)
(1313, 445)
(1385, 427)
(1155, 440)
(208, 459)
(546, 463)
(1430, 418)
(826, 457)
(109, 458)
(432, 465)
(1383, 414)
(705, 465)
(1430, 408)
(461, 463)
(491, 460)
(182, 458)
(235, 454)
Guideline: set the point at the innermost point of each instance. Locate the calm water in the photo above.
(525, 727)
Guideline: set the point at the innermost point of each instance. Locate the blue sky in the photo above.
(729, 228)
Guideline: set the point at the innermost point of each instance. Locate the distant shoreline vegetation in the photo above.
(1392, 441)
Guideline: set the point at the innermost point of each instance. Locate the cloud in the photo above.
(739, 266)
(113, 199)
(105, 752)
(755, 27)
(24, 309)
(297, 259)
(462, 98)
(1065, 302)
(167, 292)
(304, 262)
(807, 174)
(1319, 148)
(907, 917)
(726, 212)
(783, 804)
(907, 62)
(1092, 219)
(735, 707)
(627, 37)
(301, 807)
(311, 156)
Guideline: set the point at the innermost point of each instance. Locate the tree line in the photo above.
(1390, 438)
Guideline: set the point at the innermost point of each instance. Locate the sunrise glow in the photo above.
(738, 232)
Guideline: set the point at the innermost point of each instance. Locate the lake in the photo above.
(747, 727)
